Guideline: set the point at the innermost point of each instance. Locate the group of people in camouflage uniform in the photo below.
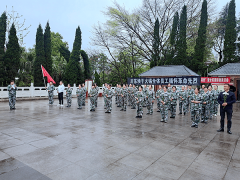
(202, 103)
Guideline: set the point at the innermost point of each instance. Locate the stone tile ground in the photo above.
(44, 142)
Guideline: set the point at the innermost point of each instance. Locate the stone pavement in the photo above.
(41, 142)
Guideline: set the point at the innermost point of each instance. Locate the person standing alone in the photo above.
(226, 100)
(12, 88)
(60, 93)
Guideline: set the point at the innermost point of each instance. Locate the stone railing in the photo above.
(28, 92)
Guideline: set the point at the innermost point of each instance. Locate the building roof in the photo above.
(227, 69)
(169, 70)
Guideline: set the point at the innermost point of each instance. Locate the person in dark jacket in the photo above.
(226, 100)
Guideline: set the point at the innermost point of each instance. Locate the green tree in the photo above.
(181, 41)
(12, 56)
(156, 41)
(40, 57)
(97, 79)
(230, 35)
(197, 64)
(87, 74)
(3, 26)
(73, 73)
(65, 52)
(48, 49)
(172, 51)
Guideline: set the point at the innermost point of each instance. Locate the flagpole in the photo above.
(43, 77)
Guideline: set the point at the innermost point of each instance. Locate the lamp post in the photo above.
(208, 62)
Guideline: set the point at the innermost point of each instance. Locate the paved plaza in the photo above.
(42, 142)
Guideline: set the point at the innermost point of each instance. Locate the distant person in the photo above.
(79, 93)
(50, 90)
(196, 107)
(69, 96)
(109, 95)
(226, 100)
(60, 91)
(84, 94)
(12, 88)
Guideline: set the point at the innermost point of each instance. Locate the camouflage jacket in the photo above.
(150, 95)
(109, 93)
(165, 97)
(196, 106)
(12, 90)
(140, 96)
(182, 96)
(215, 94)
(80, 92)
(173, 96)
(51, 88)
(205, 98)
(69, 92)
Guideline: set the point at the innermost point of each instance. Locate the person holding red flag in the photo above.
(50, 89)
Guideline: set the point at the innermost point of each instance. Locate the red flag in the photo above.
(45, 74)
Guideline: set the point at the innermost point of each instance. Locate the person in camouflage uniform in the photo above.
(96, 97)
(190, 93)
(164, 97)
(205, 106)
(84, 94)
(211, 101)
(69, 96)
(115, 93)
(169, 90)
(182, 100)
(127, 93)
(123, 98)
(196, 107)
(130, 90)
(133, 97)
(12, 88)
(202, 90)
(104, 93)
(92, 95)
(50, 90)
(216, 93)
(150, 100)
(173, 102)
(139, 100)
(158, 94)
(119, 99)
(109, 95)
(80, 94)
(145, 91)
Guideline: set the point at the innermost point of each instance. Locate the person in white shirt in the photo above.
(60, 93)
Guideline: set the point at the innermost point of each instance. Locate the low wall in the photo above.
(29, 92)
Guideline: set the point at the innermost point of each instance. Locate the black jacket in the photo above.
(230, 99)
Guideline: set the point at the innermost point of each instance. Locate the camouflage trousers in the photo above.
(211, 109)
(180, 104)
(96, 101)
(150, 107)
(164, 112)
(80, 101)
(108, 104)
(185, 106)
(92, 103)
(83, 100)
(158, 104)
(129, 100)
(134, 102)
(139, 109)
(144, 103)
(12, 101)
(216, 105)
(69, 100)
(104, 101)
(205, 113)
(50, 97)
(173, 107)
(124, 103)
(119, 100)
(195, 116)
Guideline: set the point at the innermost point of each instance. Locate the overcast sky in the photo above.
(64, 16)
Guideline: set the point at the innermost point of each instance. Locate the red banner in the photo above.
(215, 79)
(45, 74)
